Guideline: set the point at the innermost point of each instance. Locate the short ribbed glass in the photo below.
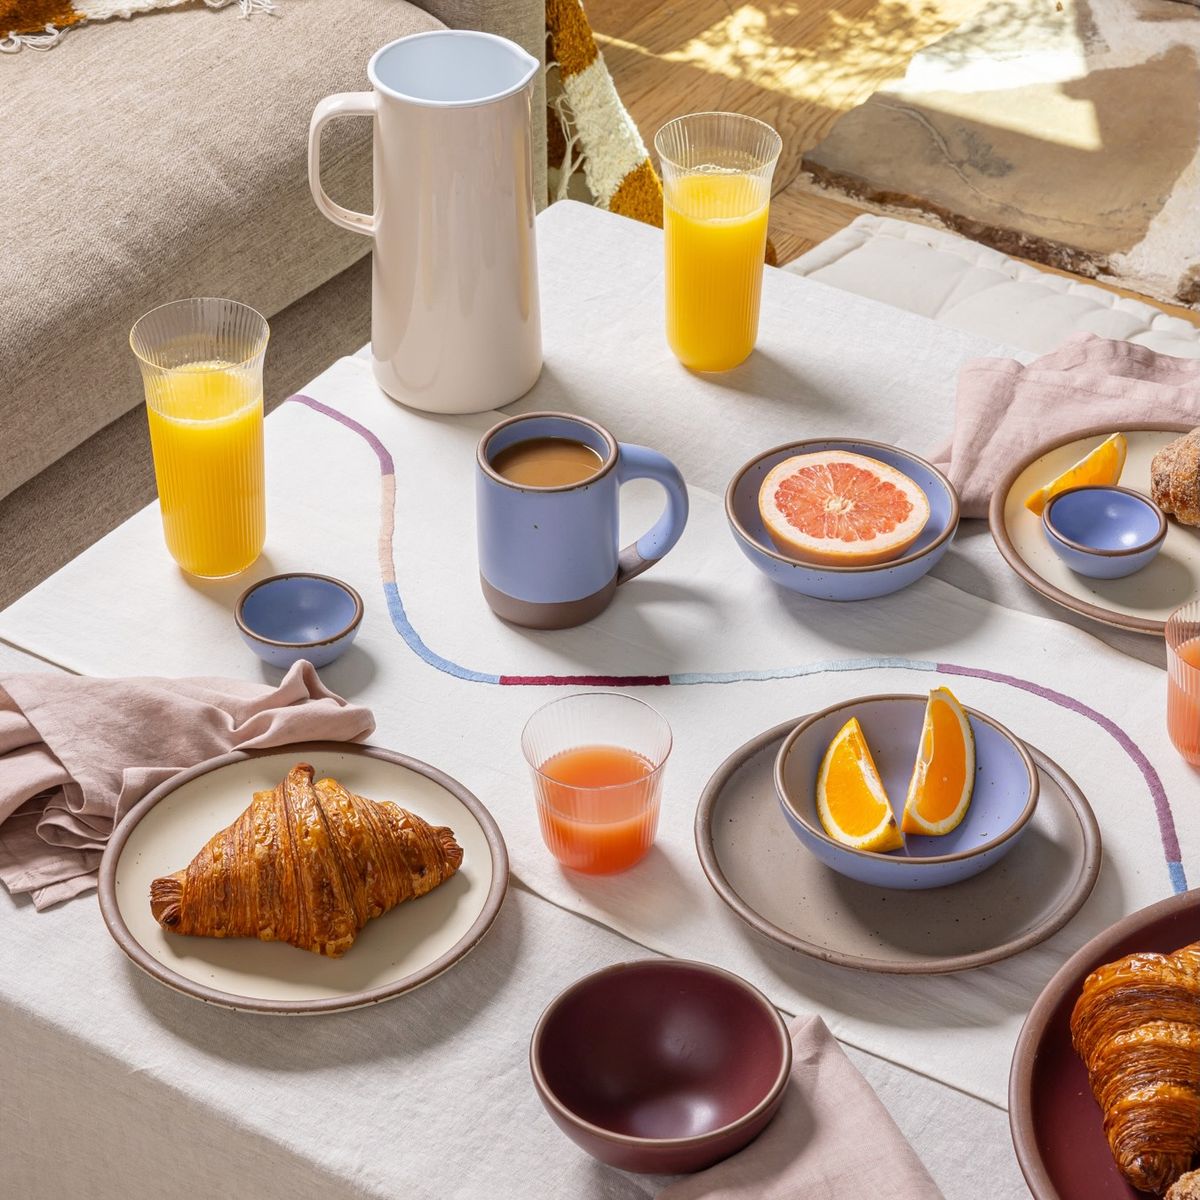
(1183, 680)
(597, 760)
(202, 366)
(716, 172)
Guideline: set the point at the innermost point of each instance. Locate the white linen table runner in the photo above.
(383, 497)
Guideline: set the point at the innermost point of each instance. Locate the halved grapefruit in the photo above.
(841, 509)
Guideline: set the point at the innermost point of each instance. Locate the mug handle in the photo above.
(344, 104)
(640, 462)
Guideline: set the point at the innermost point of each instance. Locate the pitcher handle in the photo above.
(344, 104)
(640, 462)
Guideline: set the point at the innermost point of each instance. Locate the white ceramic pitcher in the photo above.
(455, 323)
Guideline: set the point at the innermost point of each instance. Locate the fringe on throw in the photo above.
(83, 12)
(598, 134)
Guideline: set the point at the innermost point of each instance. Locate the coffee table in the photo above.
(429, 1095)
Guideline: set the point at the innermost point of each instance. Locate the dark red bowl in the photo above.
(1056, 1124)
(661, 1065)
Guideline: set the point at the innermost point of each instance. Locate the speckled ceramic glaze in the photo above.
(395, 953)
(1057, 1127)
(289, 617)
(1104, 532)
(662, 1065)
(1140, 602)
(549, 556)
(1003, 801)
(788, 896)
(842, 583)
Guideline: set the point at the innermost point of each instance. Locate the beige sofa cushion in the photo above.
(146, 160)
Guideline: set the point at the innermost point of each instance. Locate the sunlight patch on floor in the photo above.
(1031, 53)
(847, 59)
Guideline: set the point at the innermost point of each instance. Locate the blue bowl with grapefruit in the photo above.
(842, 519)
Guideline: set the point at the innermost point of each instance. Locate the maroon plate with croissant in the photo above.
(1057, 1124)
(310, 878)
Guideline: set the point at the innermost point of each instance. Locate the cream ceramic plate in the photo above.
(395, 953)
(1140, 602)
(762, 871)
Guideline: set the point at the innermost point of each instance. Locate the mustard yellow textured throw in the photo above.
(599, 134)
(40, 24)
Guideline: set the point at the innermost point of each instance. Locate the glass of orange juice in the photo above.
(1183, 680)
(716, 172)
(597, 760)
(202, 366)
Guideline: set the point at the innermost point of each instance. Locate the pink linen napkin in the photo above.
(77, 753)
(832, 1138)
(1005, 409)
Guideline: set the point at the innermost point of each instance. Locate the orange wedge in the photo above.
(939, 792)
(851, 802)
(1101, 468)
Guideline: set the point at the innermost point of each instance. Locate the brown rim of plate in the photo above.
(486, 467)
(1089, 872)
(1070, 976)
(144, 960)
(830, 444)
(1083, 547)
(354, 622)
(1010, 554)
(1012, 830)
(629, 1139)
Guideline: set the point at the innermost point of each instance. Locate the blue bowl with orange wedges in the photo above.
(842, 583)
(285, 618)
(1002, 803)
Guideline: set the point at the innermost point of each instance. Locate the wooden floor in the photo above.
(797, 64)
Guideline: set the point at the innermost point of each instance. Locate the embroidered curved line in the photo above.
(404, 627)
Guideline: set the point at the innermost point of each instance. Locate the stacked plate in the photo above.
(781, 888)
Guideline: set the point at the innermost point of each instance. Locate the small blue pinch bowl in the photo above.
(1104, 532)
(285, 618)
(1002, 803)
(842, 583)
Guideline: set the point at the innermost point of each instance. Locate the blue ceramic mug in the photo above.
(548, 556)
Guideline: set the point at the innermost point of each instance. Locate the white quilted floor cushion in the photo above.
(972, 287)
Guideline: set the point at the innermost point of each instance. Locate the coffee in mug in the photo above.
(548, 517)
(547, 462)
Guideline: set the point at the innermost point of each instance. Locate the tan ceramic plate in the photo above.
(1140, 602)
(394, 953)
(759, 868)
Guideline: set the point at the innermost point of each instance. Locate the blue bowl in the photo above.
(842, 583)
(1004, 799)
(1104, 532)
(289, 617)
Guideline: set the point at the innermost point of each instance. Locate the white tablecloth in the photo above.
(742, 656)
(114, 1088)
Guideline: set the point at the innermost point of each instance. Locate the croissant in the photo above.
(1136, 1026)
(1175, 478)
(308, 864)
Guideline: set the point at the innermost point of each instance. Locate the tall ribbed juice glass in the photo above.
(1183, 681)
(202, 364)
(716, 171)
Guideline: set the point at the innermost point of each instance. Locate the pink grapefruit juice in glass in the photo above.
(1183, 681)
